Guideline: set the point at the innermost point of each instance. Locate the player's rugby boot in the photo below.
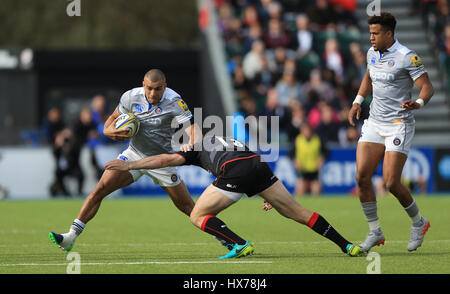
(64, 241)
(224, 243)
(354, 250)
(418, 234)
(373, 239)
(239, 251)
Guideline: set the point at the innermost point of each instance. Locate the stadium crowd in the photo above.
(436, 16)
(300, 60)
(68, 138)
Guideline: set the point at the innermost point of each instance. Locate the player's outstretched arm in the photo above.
(426, 92)
(151, 162)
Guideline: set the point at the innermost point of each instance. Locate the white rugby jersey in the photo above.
(155, 131)
(393, 74)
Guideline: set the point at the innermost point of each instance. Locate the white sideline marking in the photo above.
(136, 263)
(212, 243)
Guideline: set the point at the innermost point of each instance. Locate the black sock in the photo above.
(319, 225)
(214, 226)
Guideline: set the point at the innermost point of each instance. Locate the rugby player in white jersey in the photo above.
(392, 70)
(156, 106)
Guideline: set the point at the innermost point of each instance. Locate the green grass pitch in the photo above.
(150, 236)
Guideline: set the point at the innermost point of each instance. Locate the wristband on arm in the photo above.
(420, 102)
(359, 99)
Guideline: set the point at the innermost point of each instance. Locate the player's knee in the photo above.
(390, 183)
(196, 219)
(363, 179)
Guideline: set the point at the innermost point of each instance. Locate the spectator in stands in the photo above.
(247, 108)
(329, 125)
(276, 36)
(288, 87)
(309, 158)
(274, 108)
(322, 16)
(277, 59)
(344, 10)
(250, 16)
(332, 59)
(305, 37)
(225, 15)
(296, 119)
(252, 64)
(99, 114)
(254, 33)
(240, 82)
(325, 90)
(274, 10)
(67, 162)
(355, 70)
(69, 143)
(53, 124)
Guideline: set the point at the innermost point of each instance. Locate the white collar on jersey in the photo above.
(390, 49)
(393, 47)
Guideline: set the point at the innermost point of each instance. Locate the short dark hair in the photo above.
(155, 75)
(385, 19)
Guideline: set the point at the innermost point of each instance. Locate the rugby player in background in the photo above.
(392, 70)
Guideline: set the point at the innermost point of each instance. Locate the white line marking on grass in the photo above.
(211, 243)
(139, 263)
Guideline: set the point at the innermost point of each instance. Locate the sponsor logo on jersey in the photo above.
(416, 61)
(183, 106)
(373, 60)
(381, 76)
(137, 108)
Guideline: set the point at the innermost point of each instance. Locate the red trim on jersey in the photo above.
(181, 156)
(205, 220)
(313, 220)
(248, 157)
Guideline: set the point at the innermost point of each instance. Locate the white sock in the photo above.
(77, 227)
(413, 212)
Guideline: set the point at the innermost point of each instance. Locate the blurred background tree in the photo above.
(103, 24)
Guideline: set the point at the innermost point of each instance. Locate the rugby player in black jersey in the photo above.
(238, 171)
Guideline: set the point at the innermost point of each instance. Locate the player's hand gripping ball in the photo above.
(129, 122)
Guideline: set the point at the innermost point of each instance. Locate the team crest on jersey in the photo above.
(137, 108)
(183, 106)
(174, 178)
(416, 61)
(158, 110)
(391, 63)
(373, 60)
(397, 141)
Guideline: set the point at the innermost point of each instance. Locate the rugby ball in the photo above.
(128, 121)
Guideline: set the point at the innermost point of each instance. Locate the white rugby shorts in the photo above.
(164, 177)
(396, 136)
